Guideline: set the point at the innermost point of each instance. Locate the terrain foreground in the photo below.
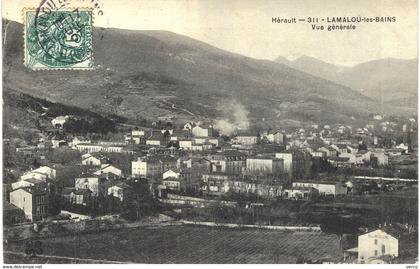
(178, 244)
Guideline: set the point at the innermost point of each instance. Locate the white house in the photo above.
(375, 244)
(324, 187)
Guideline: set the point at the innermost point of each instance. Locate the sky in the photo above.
(245, 26)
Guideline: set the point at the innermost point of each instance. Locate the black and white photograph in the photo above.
(209, 132)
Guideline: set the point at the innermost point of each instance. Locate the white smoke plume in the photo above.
(235, 117)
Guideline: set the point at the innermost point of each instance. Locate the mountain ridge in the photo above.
(150, 74)
(387, 79)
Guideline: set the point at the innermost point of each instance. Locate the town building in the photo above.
(262, 188)
(247, 139)
(376, 244)
(228, 161)
(174, 184)
(80, 196)
(264, 165)
(108, 168)
(91, 182)
(287, 158)
(91, 160)
(324, 187)
(33, 201)
(156, 139)
(79, 140)
(90, 148)
(202, 131)
(122, 191)
(274, 137)
(300, 193)
(379, 157)
(152, 166)
(215, 183)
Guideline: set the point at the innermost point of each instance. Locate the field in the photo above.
(180, 244)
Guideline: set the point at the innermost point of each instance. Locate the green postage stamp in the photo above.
(60, 39)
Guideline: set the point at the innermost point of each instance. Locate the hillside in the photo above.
(24, 115)
(150, 74)
(387, 80)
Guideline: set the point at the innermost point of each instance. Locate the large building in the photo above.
(275, 137)
(202, 131)
(247, 139)
(299, 160)
(287, 158)
(90, 148)
(264, 165)
(215, 183)
(228, 161)
(152, 166)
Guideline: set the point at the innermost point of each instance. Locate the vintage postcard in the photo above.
(210, 132)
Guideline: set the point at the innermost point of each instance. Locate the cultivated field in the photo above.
(180, 244)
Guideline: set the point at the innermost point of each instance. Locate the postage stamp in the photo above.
(58, 39)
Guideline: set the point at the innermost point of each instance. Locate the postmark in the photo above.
(58, 39)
